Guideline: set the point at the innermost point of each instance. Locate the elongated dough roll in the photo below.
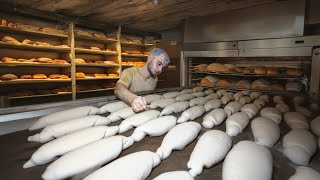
(208, 91)
(87, 157)
(305, 173)
(265, 131)
(137, 165)
(298, 100)
(212, 104)
(232, 107)
(199, 101)
(171, 95)
(191, 114)
(178, 137)
(185, 97)
(245, 100)
(183, 175)
(162, 103)
(282, 107)
(137, 120)
(250, 109)
(247, 160)
(121, 114)
(198, 94)
(152, 97)
(259, 102)
(60, 116)
(245, 92)
(315, 126)
(214, 118)
(237, 96)
(221, 92)
(113, 106)
(278, 99)
(212, 96)
(299, 145)
(66, 127)
(296, 120)
(303, 111)
(236, 123)
(265, 98)
(255, 95)
(67, 143)
(155, 127)
(225, 100)
(187, 91)
(210, 149)
(272, 113)
(175, 108)
(198, 89)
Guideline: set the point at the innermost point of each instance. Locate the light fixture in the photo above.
(155, 2)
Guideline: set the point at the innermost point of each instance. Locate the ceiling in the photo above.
(136, 14)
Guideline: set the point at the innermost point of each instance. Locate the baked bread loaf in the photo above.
(217, 67)
(52, 30)
(230, 67)
(273, 71)
(39, 76)
(54, 76)
(95, 48)
(146, 53)
(209, 81)
(201, 67)
(98, 62)
(60, 61)
(26, 27)
(27, 76)
(111, 62)
(44, 60)
(225, 83)
(260, 84)
(63, 76)
(10, 40)
(113, 75)
(247, 70)
(27, 41)
(83, 33)
(276, 87)
(80, 61)
(238, 69)
(99, 35)
(260, 70)
(294, 86)
(97, 75)
(243, 84)
(8, 60)
(38, 43)
(80, 75)
(8, 77)
(132, 52)
(294, 72)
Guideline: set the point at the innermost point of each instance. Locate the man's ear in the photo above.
(150, 57)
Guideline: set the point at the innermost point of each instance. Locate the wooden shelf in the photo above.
(136, 44)
(94, 39)
(29, 32)
(33, 47)
(134, 55)
(22, 81)
(94, 78)
(96, 90)
(97, 65)
(42, 95)
(89, 51)
(34, 64)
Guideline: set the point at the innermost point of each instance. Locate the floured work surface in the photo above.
(16, 150)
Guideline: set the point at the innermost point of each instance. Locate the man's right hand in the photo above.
(138, 103)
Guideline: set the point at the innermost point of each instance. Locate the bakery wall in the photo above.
(276, 20)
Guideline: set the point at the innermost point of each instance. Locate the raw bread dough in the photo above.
(174, 175)
(212, 96)
(247, 160)
(265, 97)
(137, 120)
(113, 106)
(199, 101)
(278, 99)
(210, 149)
(198, 89)
(175, 108)
(187, 91)
(152, 97)
(305, 173)
(67, 143)
(283, 108)
(66, 127)
(209, 91)
(245, 100)
(232, 107)
(178, 138)
(185, 97)
(236, 123)
(237, 96)
(315, 126)
(225, 100)
(214, 118)
(265, 131)
(212, 104)
(61, 116)
(171, 95)
(87, 157)
(199, 94)
(155, 127)
(221, 92)
(245, 92)
(272, 113)
(298, 100)
(191, 114)
(303, 111)
(255, 95)
(250, 109)
(299, 145)
(259, 102)
(137, 166)
(162, 103)
(121, 114)
(296, 120)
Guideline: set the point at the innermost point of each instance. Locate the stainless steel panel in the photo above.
(275, 20)
(210, 46)
(315, 74)
(305, 41)
(224, 53)
(276, 52)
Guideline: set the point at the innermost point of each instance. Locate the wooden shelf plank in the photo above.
(89, 51)
(278, 76)
(34, 64)
(136, 44)
(22, 81)
(94, 39)
(33, 47)
(94, 78)
(134, 55)
(29, 32)
(98, 65)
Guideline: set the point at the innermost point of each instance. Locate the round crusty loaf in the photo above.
(243, 84)
(201, 67)
(7, 59)
(8, 77)
(209, 81)
(294, 72)
(39, 76)
(247, 70)
(225, 83)
(260, 70)
(27, 76)
(260, 84)
(273, 71)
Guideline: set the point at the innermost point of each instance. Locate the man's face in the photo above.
(156, 65)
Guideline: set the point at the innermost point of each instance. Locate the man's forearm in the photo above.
(124, 94)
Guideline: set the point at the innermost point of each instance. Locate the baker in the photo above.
(137, 79)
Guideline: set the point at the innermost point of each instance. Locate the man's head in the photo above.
(157, 61)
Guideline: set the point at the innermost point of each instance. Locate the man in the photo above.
(137, 79)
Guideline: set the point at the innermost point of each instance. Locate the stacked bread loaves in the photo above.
(225, 83)
(209, 81)
(260, 84)
(243, 84)
(201, 67)
(217, 67)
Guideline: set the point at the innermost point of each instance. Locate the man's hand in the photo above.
(138, 103)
